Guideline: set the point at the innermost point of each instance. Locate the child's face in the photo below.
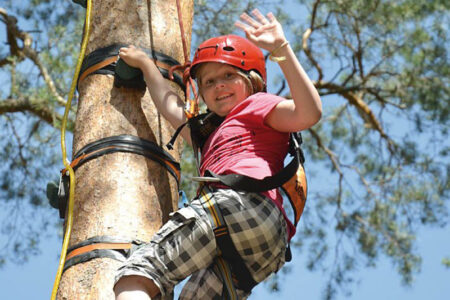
(221, 87)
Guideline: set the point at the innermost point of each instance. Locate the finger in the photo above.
(259, 16)
(242, 26)
(271, 17)
(249, 20)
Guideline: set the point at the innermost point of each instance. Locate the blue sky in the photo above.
(34, 280)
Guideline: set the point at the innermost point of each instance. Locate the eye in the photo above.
(229, 75)
(208, 82)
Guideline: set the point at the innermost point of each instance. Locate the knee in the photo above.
(135, 287)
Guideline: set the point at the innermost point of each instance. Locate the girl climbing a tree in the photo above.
(251, 139)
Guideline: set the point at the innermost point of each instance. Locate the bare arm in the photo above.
(166, 100)
(306, 108)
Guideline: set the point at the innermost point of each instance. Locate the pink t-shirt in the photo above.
(244, 144)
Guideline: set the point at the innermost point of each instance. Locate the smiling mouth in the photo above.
(224, 97)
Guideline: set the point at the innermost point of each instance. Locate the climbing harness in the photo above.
(291, 179)
(104, 61)
(201, 126)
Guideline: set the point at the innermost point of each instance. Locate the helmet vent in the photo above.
(228, 48)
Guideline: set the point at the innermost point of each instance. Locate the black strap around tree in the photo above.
(101, 54)
(89, 254)
(120, 143)
(130, 144)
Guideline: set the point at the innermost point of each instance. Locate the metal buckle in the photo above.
(205, 179)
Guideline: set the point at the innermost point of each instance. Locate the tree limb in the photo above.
(33, 106)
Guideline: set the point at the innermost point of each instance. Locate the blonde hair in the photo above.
(254, 81)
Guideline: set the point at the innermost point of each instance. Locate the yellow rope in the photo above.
(69, 221)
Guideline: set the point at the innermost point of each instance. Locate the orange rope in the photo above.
(191, 108)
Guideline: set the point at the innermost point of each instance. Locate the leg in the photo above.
(258, 231)
(206, 284)
(136, 288)
(184, 245)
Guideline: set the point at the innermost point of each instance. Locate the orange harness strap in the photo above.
(99, 247)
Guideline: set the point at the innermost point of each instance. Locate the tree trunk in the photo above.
(122, 194)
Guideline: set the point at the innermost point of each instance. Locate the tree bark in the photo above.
(122, 194)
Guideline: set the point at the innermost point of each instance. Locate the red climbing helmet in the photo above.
(233, 50)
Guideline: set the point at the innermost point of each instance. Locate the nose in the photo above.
(220, 83)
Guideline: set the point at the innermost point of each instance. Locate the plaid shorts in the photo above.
(186, 245)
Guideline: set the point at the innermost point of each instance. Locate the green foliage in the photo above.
(446, 262)
(188, 169)
(392, 178)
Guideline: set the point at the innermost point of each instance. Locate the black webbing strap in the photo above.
(249, 184)
(130, 144)
(228, 251)
(99, 247)
(201, 127)
(104, 61)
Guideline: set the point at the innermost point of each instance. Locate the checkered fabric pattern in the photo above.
(186, 245)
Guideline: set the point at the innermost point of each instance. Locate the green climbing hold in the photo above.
(126, 72)
(52, 194)
(81, 2)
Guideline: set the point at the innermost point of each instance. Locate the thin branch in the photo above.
(374, 92)
(305, 38)
(14, 33)
(334, 160)
(20, 146)
(359, 52)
